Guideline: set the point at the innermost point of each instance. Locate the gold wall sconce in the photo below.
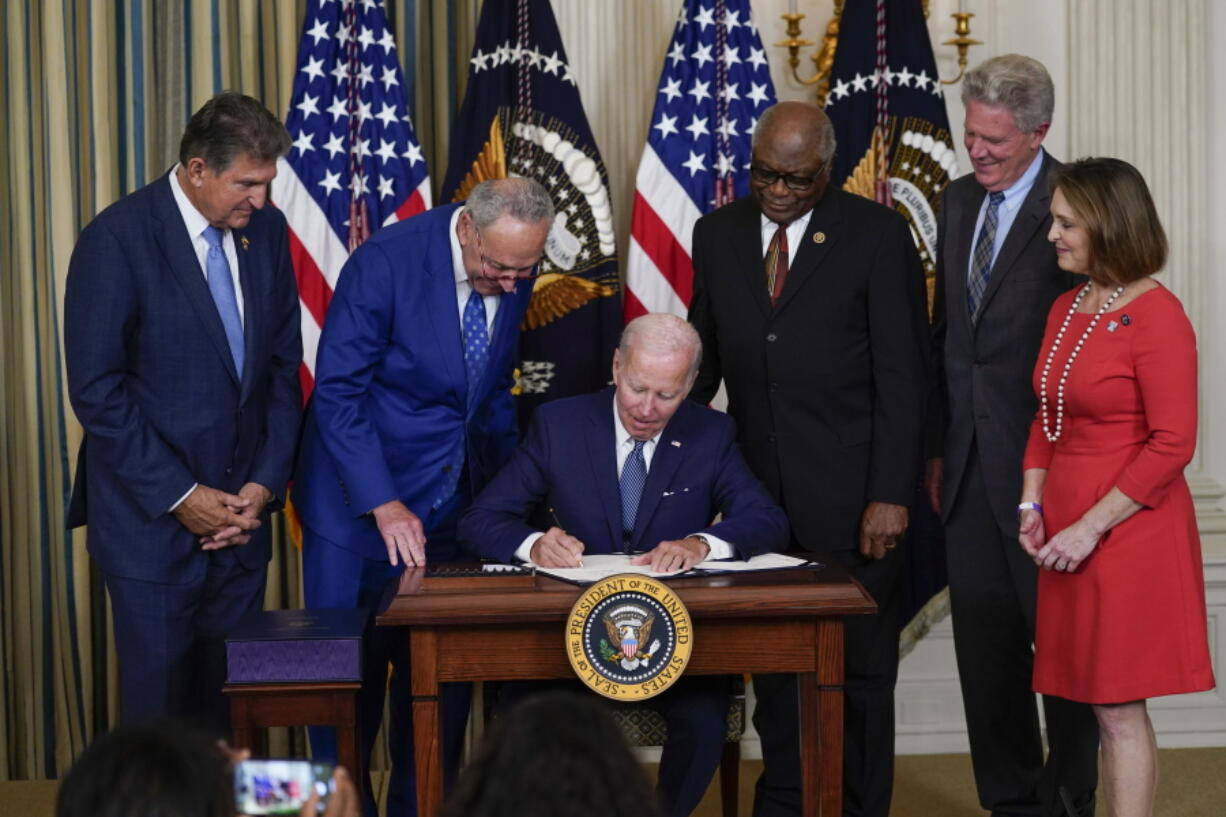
(823, 58)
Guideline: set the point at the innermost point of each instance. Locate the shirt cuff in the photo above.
(524, 551)
(179, 502)
(720, 549)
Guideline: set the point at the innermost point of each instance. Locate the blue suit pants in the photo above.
(334, 577)
(170, 639)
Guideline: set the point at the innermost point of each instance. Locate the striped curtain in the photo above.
(94, 95)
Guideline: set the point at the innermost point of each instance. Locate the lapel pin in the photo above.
(819, 237)
(676, 443)
(245, 242)
(1111, 327)
(1125, 319)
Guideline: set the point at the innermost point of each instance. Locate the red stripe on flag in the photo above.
(413, 205)
(632, 307)
(662, 247)
(306, 381)
(313, 289)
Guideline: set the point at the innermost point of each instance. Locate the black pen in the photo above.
(558, 523)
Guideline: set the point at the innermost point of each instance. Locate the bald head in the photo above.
(792, 148)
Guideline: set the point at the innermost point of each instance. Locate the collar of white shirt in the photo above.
(795, 232)
(463, 288)
(625, 443)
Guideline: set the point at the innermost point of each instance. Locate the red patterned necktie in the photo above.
(777, 264)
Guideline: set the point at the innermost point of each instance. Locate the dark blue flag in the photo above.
(522, 116)
(894, 146)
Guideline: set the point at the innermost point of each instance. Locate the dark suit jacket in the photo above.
(828, 389)
(983, 372)
(568, 461)
(153, 383)
(391, 414)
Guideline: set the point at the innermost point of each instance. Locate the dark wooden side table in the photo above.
(512, 628)
(255, 707)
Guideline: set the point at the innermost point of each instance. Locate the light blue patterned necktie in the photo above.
(981, 265)
(476, 339)
(221, 286)
(634, 475)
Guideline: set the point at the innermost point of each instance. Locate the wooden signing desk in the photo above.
(497, 628)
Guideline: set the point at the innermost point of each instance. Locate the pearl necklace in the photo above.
(1052, 437)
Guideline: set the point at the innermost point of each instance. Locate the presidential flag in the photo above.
(894, 146)
(714, 85)
(355, 163)
(522, 116)
(888, 112)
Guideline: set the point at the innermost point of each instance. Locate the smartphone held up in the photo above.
(272, 786)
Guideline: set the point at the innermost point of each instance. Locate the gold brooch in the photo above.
(246, 243)
(819, 238)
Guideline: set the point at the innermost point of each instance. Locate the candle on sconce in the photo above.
(792, 6)
(962, 6)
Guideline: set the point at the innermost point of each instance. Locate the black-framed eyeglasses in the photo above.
(501, 271)
(766, 177)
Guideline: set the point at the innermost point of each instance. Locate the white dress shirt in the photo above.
(462, 287)
(795, 231)
(196, 225)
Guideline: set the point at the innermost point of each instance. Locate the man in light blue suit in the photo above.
(410, 417)
(638, 469)
(181, 338)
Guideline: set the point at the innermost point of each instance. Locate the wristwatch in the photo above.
(702, 539)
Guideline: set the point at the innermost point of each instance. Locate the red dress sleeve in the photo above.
(1164, 359)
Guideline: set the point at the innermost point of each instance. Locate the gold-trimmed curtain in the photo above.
(95, 94)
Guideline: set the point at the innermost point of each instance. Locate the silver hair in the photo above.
(524, 200)
(663, 334)
(825, 132)
(1019, 84)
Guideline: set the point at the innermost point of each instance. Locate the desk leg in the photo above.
(427, 721)
(821, 725)
(349, 739)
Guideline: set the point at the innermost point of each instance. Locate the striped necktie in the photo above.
(777, 264)
(981, 260)
(634, 476)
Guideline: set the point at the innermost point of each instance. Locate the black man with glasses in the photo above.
(810, 302)
(410, 417)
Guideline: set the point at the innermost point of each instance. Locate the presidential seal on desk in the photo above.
(629, 637)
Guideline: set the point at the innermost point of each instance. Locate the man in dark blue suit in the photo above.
(638, 468)
(410, 417)
(182, 345)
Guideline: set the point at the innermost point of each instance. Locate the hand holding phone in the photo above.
(274, 787)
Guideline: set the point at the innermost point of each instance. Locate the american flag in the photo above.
(355, 164)
(714, 86)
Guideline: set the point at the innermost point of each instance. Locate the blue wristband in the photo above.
(1029, 506)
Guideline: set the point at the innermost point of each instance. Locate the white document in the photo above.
(601, 566)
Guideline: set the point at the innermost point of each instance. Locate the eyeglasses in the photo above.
(766, 177)
(501, 271)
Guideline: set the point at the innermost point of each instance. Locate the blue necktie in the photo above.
(981, 260)
(476, 339)
(221, 286)
(634, 475)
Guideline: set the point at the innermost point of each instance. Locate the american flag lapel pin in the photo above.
(245, 242)
(676, 443)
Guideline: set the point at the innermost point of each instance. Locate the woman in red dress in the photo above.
(1105, 510)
